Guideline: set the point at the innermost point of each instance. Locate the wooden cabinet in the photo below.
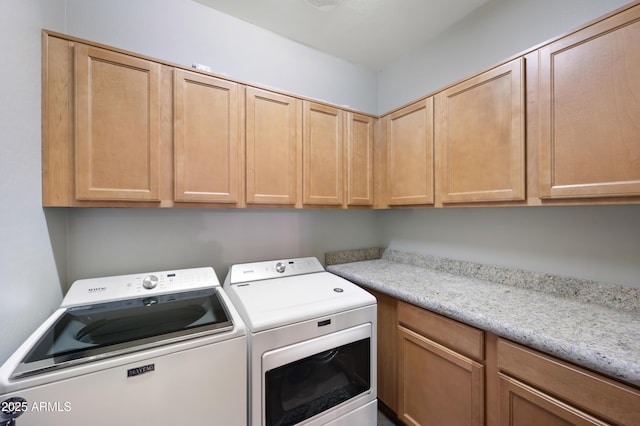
(360, 156)
(440, 371)
(323, 155)
(207, 138)
(538, 389)
(589, 111)
(117, 126)
(480, 137)
(386, 348)
(273, 148)
(409, 139)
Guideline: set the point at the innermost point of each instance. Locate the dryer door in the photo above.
(308, 378)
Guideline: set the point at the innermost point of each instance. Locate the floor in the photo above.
(384, 420)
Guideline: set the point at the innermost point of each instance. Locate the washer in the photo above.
(161, 348)
(312, 344)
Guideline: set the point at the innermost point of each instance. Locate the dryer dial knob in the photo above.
(149, 282)
(280, 267)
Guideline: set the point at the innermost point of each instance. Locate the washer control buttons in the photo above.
(280, 267)
(149, 282)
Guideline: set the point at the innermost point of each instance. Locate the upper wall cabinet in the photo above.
(360, 155)
(323, 155)
(480, 137)
(273, 148)
(117, 120)
(409, 133)
(590, 111)
(207, 138)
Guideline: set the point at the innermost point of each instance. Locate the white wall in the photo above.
(599, 243)
(489, 35)
(115, 241)
(29, 281)
(184, 32)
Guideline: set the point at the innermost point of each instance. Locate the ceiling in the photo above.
(371, 33)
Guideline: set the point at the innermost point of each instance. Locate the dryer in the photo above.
(312, 344)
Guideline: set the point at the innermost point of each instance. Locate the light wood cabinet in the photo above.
(523, 405)
(480, 137)
(207, 139)
(323, 155)
(409, 139)
(536, 388)
(360, 159)
(117, 126)
(589, 111)
(447, 372)
(439, 381)
(386, 348)
(273, 148)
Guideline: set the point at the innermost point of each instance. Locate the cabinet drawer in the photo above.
(462, 338)
(612, 401)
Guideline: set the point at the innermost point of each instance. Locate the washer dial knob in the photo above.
(149, 282)
(280, 267)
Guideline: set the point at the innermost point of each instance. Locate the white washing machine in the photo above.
(162, 348)
(312, 344)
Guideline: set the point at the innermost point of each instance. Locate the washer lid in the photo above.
(276, 302)
(82, 334)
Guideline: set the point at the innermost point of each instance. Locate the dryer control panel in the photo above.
(249, 272)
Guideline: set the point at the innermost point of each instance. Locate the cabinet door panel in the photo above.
(522, 405)
(590, 111)
(437, 386)
(480, 137)
(117, 126)
(206, 138)
(610, 400)
(410, 154)
(323, 155)
(274, 126)
(360, 160)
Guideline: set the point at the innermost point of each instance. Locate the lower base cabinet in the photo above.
(522, 405)
(443, 372)
(437, 386)
(537, 389)
(440, 371)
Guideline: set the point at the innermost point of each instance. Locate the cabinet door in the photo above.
(323, 155)
(480, 137)
(437, 386)
(359, 160)
(117, 123)
(522, 405)
(206, 143)
(587, 392)
(274, 139)
(410, 154)
(590, 111)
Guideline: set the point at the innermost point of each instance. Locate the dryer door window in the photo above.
(307, 386)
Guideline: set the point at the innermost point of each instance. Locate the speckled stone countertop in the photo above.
(591, 324)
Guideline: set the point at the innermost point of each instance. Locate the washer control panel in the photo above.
(246, 272)
(127, 286)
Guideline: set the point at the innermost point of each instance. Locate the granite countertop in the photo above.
(602, 338)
